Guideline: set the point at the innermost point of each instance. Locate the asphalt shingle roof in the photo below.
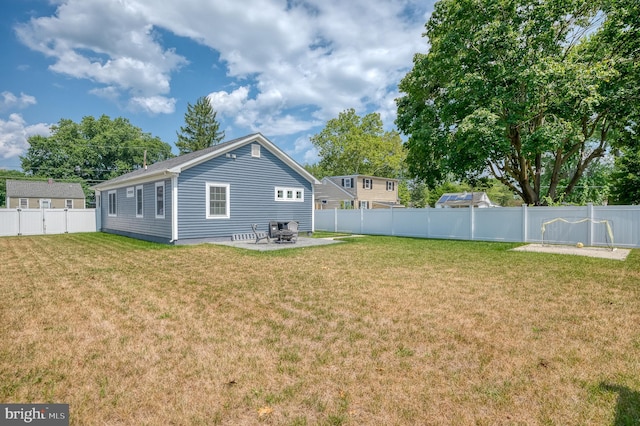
(40, 189)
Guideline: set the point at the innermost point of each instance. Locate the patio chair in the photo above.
(260, 235)
(293, 228)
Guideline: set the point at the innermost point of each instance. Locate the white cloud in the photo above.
(153, 104)
(106, 42)
(322, 56)
(14, 134)
(303, 148)
(10, 101)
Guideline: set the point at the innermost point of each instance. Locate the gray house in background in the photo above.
(208, 194)
(31, 194)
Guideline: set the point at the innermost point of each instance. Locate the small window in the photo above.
(347, 182)
(364, 205)
(159, 200)
(112, 203)
(391, 185)
(45, 204)
(347, 204)
(255, 150)
(289, 194)
(130, 192)
(367, 183)
(68, 204)
(217, 198)
(139, 201)
(24, 203)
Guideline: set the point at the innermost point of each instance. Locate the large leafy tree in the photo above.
(351, 144)
(518, 89)
(201, 129)
(93, 150)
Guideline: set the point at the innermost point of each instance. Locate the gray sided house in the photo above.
(208, 194)
(30, 194)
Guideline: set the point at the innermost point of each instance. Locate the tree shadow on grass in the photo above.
(628, 406)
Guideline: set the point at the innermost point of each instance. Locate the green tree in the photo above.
(201, 129)
(514, 88)
(93, 150)
(4, 175)
(351, 144)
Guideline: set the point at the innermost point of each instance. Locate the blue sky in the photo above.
(279, 67)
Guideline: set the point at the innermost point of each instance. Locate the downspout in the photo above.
(174, 208)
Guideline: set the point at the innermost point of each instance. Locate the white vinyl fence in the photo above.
(591, 225)
(46, 221)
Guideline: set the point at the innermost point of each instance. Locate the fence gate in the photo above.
(46, 221)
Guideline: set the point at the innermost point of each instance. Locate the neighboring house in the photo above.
(30, 194)
(465, 199)
(209, 194)
(356, 191)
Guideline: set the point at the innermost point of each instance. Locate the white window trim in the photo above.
(20, 203)
(115, 203)
(364, 205)
(289, 194)
(367, 183)
(164, 200)
(141, 188)
(346, 183)
(227, 188)
(66, 203)
(255, 150)
(43, 201)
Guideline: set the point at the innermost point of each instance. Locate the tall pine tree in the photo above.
(201, 129)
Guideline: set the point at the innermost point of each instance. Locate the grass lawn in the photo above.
(376, 330)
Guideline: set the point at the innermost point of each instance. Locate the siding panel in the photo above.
(252, 184)
(126, 222)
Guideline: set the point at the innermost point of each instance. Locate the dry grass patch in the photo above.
(375, 330)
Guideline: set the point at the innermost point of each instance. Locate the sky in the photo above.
(279, 67)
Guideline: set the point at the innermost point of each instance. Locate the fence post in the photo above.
(335, 219)
(472, 223)
(428, 210)
(19, 221)
(525, 223)
(393, 223)
(361, 219)
(590, 227)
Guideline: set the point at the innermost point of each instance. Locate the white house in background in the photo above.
(465, 199)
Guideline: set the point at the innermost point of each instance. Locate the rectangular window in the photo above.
(289, 194)
(45, 204)
(347, 182)
(112, 203)
(139, 201)
(364, 204)
(159, 200)
(255, 150)
(367, 183)
(217, 200)
(130, 192)
(68, 204)
(391, 185)
(24, 203)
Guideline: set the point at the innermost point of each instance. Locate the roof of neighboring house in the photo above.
(463, 199)
(43, 189)
(327, 189)
(177, 164)
(365, 176)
